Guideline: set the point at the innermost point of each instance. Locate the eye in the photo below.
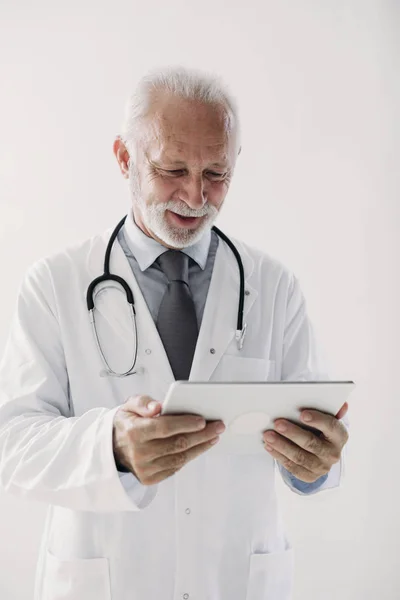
(212, 174)
(177, 172)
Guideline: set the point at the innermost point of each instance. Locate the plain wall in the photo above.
(316, 186)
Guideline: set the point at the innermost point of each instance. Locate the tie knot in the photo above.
(175, 265)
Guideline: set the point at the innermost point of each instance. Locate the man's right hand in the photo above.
(154, 447)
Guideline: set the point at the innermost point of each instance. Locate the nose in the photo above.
(196, 195)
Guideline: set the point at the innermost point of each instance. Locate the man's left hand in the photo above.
(306, 455)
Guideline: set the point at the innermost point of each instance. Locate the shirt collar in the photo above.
(146, 249)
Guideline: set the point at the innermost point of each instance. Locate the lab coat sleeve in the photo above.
(47, 453)
(303, 360)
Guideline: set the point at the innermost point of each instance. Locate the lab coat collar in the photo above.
(146, 249)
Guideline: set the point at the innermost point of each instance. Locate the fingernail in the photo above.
(306, 416)
(281, 426)
(152, 405)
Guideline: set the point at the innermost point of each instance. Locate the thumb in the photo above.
(342, 411)
(144, 406)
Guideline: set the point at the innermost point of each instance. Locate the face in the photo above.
(185, 159)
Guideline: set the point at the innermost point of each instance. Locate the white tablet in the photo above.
(248, 409)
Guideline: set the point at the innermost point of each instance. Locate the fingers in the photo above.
(156, 448)
(169, 425)
(148, 428)
(163, 455)
(144, 406)
(183, 441)
(307, 440)
(293, 454)
(297, 470)
(166, 466)
(334, 431)
(342, 412)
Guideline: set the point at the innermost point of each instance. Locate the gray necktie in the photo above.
(176, 320)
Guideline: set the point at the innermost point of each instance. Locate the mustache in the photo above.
(182, 209)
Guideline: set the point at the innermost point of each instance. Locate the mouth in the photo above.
(181, 221)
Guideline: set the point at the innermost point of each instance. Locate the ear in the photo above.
(122, 156)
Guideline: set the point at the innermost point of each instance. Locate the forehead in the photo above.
(181, 130)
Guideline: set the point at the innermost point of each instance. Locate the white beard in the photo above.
(154, 219)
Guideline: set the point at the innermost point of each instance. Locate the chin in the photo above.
(179, 238)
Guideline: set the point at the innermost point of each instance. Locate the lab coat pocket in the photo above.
(239, 368)
(76, 579)
(271, 576)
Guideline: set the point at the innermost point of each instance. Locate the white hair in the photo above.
(181, 82)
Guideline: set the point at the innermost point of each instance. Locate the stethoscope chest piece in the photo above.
(240, 335)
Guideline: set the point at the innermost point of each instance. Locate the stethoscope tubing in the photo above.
(107, 276)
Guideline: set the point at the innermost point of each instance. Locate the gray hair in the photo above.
(181, 82)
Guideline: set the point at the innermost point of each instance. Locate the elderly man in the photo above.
(138, 508)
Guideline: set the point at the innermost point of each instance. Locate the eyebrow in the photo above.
(219, 165)
(183, 164)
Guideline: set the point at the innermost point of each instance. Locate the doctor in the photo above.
(138, 509)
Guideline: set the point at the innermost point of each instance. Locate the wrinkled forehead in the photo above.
(179, 130)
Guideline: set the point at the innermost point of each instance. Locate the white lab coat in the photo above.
(212, 531)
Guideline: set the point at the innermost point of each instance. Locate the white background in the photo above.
(317, 185)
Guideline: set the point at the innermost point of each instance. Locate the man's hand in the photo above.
(154, 447)
(306, 455)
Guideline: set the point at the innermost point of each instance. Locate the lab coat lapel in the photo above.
(117, 315)
(219, 321)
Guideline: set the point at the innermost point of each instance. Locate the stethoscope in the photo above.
(107, 276)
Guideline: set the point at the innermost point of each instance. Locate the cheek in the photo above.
(158, 190)
(217, 193)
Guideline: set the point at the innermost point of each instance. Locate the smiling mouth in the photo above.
(183, 221)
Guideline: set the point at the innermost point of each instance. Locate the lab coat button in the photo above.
(247, 293)
(186, 596)
(148, 351)
(212, 350)
(187, 511)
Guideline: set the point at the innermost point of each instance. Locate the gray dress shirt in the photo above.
(141, 252)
